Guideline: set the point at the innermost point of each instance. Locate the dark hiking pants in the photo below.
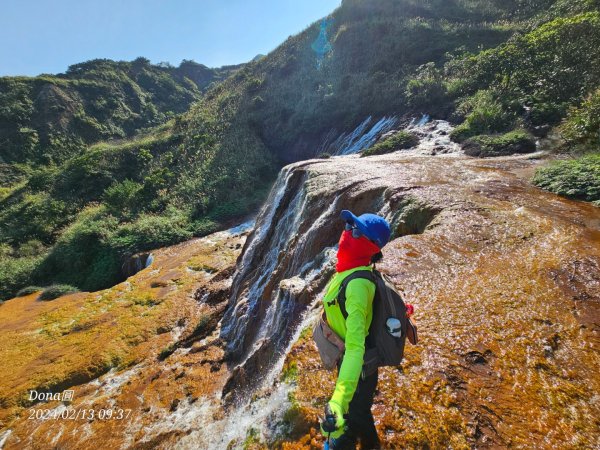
(359, 420)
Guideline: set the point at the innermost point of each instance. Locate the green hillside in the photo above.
(48, 118)
(490, 66)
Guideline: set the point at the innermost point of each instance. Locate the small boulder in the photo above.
(518, 141)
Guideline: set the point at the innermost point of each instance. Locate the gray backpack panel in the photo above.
(389, 326)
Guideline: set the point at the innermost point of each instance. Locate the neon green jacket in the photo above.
(359, 306)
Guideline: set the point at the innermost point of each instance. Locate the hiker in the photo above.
(348, 416)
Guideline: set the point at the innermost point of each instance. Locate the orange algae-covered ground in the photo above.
(120, 335)
(506, 286)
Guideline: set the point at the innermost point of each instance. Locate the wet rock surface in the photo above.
(503, 277)
(137, 356)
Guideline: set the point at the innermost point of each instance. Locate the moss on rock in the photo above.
(517, 141)
(397, 141)
(56, 290)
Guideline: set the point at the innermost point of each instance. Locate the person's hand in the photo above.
(333, 425)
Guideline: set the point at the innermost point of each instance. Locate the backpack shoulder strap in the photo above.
(341, 297)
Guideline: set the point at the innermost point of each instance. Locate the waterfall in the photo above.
(284, 259)
(232, 330)
(282, 269)
(358, 139)
(414, 123)
(149, 260)
(263, 413)
(434, 137)
(285, 264)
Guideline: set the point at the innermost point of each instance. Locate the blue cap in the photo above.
(372, 226)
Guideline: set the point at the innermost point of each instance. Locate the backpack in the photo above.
(390, 325)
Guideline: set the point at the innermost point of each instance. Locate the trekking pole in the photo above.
(330, 424)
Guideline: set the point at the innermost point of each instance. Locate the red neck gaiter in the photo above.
(354, 252)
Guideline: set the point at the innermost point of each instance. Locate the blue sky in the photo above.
(46, 36)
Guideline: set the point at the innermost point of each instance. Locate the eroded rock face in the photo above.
(502, 276)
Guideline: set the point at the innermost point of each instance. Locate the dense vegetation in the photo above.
(74, 219)
(581, 129)
(533, 79)
(74, 224)
(576, 178)
(48, 118)
(70, 212)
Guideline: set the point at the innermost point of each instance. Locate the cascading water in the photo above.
(233, 331)
(434, 137)
(262, 415)
(280, 269)
(358, 139)
(276, 287)
(414, 123)
(277, 277)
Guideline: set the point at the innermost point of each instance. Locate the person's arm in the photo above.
(358, 294)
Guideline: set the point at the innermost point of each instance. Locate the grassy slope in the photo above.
(49, 118)
(530, 80)
(459, 59)
(377, 50)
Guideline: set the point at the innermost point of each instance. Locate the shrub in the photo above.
(28, 290)
(575, 178)
(202, 327)
(547, 112)
(32, 247)
(35, 217)
(151, 231)
(426, 92)
(203, 227)
(42, 178)
(15, 273)
(6, 251)
(167, 351)
(87, 176)
(518, 141)
(83, 256)
(484, 114)
(122, 197)
(398, 141)
(582, 126)
(537, 75)
(57, 290)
